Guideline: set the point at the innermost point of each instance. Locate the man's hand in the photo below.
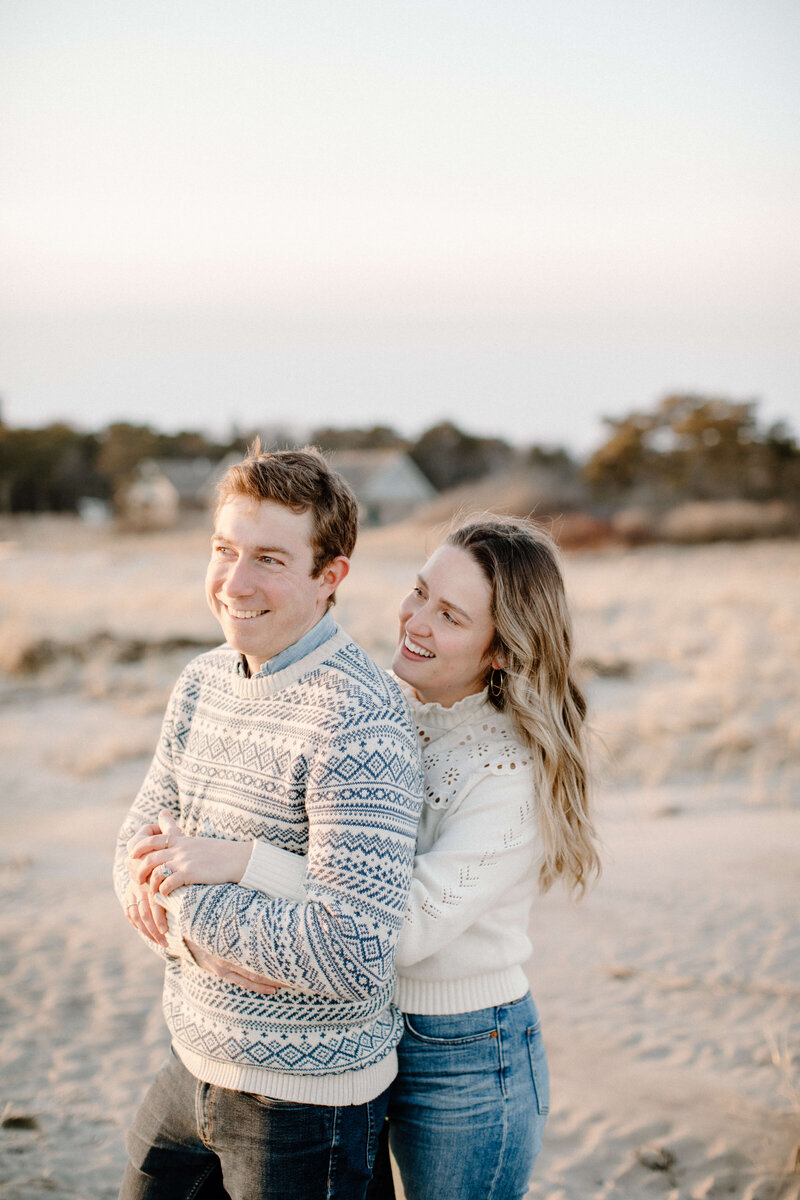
(186, 859)
(231, 973)
(145, 914)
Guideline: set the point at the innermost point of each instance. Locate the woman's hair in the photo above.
(533, 638)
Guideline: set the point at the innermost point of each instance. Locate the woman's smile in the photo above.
(415, 649)
(443, 648)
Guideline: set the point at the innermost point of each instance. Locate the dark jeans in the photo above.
(194, 1141)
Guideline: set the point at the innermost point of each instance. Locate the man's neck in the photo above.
(323, 629)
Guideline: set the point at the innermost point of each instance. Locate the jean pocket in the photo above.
(272, 1102)
(539, 1069)
(451, 1029)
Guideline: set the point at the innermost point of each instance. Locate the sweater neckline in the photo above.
(270, 685)
(440, 717)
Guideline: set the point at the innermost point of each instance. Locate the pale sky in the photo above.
(518, 215)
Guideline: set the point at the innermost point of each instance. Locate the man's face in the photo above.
(259, 584)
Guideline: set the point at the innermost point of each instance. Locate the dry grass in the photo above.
(728, 520)
(689, 654)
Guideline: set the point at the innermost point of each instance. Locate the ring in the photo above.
(133, 904)
(165, 870)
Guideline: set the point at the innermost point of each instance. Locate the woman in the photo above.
(485, 648)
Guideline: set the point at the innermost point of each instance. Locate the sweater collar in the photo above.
(324, 629)
(436, 716)
(271, 685)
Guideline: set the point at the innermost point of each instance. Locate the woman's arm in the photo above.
(483, 847)
(207, 860)
(486, 844)
(190, 859)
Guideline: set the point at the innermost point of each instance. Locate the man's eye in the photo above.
(417, 592)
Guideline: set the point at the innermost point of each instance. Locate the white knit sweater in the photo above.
(465, 938)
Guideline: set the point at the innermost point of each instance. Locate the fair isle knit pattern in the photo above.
(317, 759)
(465, 938)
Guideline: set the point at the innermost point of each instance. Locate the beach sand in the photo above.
(670, 996)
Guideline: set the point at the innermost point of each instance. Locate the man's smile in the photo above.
(244, 614)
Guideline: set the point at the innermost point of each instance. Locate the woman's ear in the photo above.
(499, 662)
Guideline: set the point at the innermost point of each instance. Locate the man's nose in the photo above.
(239, 579)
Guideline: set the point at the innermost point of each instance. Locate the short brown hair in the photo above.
(302, 481)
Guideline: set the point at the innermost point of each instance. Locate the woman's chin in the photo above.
(400, 668)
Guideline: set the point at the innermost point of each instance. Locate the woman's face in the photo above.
(446, 629)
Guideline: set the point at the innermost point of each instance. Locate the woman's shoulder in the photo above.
(478, 750)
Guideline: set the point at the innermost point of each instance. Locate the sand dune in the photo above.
(670, 996)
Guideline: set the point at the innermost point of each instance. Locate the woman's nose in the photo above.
(419, 622)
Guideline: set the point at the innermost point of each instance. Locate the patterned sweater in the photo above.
(465, 938)
(319, 759)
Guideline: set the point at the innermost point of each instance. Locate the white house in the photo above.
(388, 484)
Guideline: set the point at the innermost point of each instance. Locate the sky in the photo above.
(519, 216)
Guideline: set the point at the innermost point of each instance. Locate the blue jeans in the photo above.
(193, 1140)
(468, 1108)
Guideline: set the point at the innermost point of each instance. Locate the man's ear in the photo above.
(333, 573)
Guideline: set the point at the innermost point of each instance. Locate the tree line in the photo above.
(687, 447)
(698, 448)
(52, 469)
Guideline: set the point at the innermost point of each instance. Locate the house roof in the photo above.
(382, 475)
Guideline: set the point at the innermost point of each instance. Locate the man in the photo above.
(289, 735)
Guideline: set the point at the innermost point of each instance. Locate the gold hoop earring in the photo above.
(496, 681)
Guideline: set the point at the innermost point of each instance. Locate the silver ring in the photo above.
(165, 871)
(133, 904)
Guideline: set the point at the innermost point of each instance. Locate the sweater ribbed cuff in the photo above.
(275, 872)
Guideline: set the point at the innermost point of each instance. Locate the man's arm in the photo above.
(158, 791)
(484, 847)
(362, 801)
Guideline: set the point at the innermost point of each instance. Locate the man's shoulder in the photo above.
(217, 663)
(358, 680)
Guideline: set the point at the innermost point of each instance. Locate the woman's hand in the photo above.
(188, 859)
(145, 914)
(232, 973)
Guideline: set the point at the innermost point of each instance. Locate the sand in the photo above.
(670, 996)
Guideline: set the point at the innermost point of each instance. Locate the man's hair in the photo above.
(302, 481)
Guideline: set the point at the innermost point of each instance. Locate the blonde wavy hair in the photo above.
(533, 638)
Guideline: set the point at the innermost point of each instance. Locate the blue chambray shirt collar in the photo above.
(324, 629)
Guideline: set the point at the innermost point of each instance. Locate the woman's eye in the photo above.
(417, 591)
(449, 618)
